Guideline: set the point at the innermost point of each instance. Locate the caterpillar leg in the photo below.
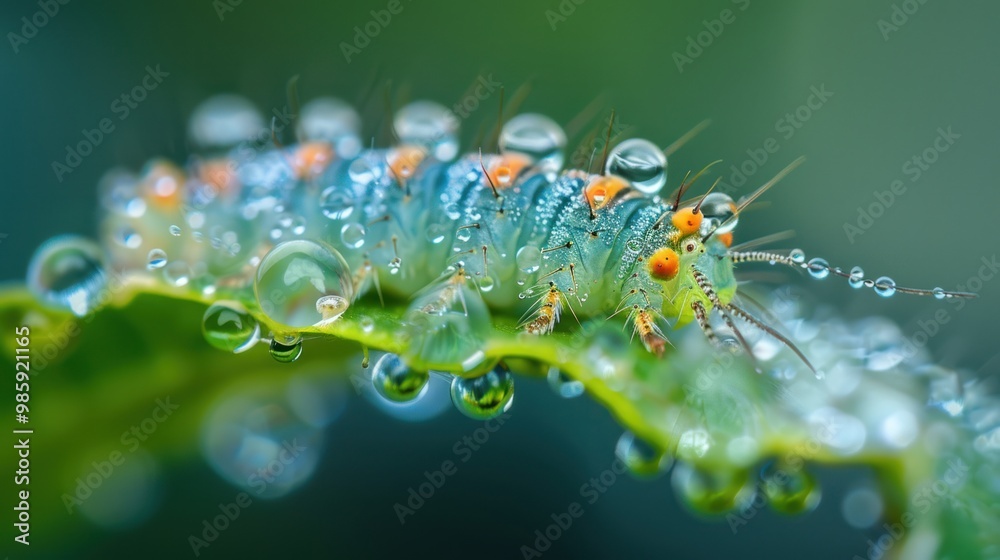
(644, 324)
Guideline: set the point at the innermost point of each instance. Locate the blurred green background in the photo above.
(894, 85)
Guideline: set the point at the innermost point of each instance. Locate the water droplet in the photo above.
(293, 277)
(337, 203)
(641, 163)
(335, 121)
(431, 125)
(363, 172)
(789, 490)
(68, 272)
(285, 353)
(857, 278)
(436, 233)
(175, 230)
(257, 440)
(224, 120)
(885, 286)
(537, 136)
(486, 283)
(641, 458)
(464, 234)
(563, 385)
(394, 265)
(353, 235)
(127, 237)
(453, 211)
(157, 259)
(229, 326)
(177, 273)
(367, 324)
(529, 259)
(486, 396)
(797, 256)
(331, 308)
(714, 492)
(395, 381)
(818, 268)
(938, 293)
(862, 508)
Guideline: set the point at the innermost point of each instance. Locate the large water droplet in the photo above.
(177, 273)
(537, 136)
(640, 457)
(797, 256)
(789, 490)
(641, 163)
(397, 382)
(939, 293)
(719, 213)
(447, 328)
(885, 286)
(285, 352)
(67, 272)
(529, 259)
(486, 396)
(224, 120)
(332, 120)
(293, 277)
(431, 125)
(227, 325)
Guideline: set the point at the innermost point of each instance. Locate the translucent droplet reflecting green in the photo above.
(286, 353)
(294, 276)
(711, 491)
(486, 396)
(641, 458)
(395, 381)
(228, 326)
(719, 213)
(67, 272)
(788, 490)
(447, 329)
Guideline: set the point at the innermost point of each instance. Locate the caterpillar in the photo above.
(458, 266)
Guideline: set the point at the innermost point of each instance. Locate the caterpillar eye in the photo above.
(718, 209)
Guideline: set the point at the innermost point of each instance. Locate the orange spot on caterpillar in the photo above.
(218, 174)
(504, 170)
(603, 190)
(311, 159)
(403, 162)
(686, 220)
(663, 265)
(162, 184)
(726, 238)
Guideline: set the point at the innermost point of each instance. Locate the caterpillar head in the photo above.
(697, 244)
